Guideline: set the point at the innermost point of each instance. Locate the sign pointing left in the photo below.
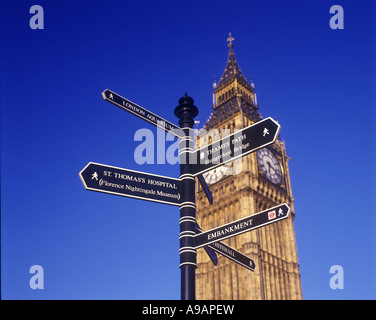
(129, 183)
(142, 113)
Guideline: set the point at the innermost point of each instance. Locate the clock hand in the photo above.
(271, 168)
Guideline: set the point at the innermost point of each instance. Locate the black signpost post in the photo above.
(181, 192)
(186, 111)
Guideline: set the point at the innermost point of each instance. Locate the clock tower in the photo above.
(248, 185)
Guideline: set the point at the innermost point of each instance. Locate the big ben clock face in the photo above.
(216, 174)
(269, 165)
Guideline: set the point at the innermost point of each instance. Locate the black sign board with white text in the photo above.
(233, 255)
(240, 226)
(228, 252)
(234, 146)
(129, 183)
(142, 113)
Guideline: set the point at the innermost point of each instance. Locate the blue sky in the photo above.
(318, 83)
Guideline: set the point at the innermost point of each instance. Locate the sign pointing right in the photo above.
(240, 226)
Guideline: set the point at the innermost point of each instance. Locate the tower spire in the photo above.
(232, 69)
(233, 93)
(229, 40)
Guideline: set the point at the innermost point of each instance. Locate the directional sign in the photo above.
(129, 183)
(235, 146)
(142, 113)
(233, 255)
(240, 226)
(228, 252)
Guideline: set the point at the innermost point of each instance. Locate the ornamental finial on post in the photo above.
(186, 111)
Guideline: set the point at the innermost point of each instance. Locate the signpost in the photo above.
(181, 192)
(129, 183)
(234, 146)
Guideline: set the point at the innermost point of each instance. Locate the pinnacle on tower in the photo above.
(233, 93)
(232, 69)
